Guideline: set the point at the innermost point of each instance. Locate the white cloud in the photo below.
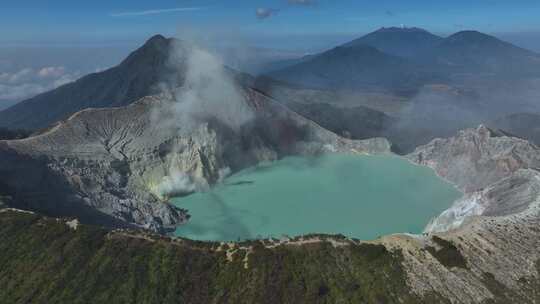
(17, 77)
(156, 11)
(29, 82)
(21, 91)
(52, 72)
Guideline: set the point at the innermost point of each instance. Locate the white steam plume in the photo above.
(176, 183)
(209, 92)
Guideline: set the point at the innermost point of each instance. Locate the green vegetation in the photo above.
(42, 260)
(529, 286)
(448, 254)
(502, 293)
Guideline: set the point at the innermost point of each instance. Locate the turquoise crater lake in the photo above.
(359, 196)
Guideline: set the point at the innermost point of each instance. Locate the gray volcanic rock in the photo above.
(108, 166)
(491, 257)
(484, 249)
(476, 158)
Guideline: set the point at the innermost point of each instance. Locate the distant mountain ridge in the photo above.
(472, 51)
(405, 42)
(403, 59)
(365, 64)
(354, 67)
(379, 61)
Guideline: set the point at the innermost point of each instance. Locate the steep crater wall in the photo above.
(113, 162)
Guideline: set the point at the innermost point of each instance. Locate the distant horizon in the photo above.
(302, 42)
(68, 22)
(20, 63)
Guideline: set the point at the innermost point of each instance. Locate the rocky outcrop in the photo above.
(484, 249)
(117, 166)
(476, 158)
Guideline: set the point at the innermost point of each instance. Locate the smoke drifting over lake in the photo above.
(208, 93)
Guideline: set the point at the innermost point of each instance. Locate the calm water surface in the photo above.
(354, 195)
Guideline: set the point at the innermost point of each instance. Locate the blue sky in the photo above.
(99, 21)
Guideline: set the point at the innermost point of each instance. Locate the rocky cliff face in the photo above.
(117, 166)
(484, 249)
(476, 158)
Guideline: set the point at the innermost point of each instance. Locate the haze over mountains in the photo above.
(397, 58)
(391, 82)
(472, 51)
(432, 86)
(356, 67)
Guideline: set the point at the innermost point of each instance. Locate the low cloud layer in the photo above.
(29, 82)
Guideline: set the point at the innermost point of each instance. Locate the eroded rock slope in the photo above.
(485, 248)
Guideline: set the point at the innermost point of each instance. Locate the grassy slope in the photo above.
(44, 261)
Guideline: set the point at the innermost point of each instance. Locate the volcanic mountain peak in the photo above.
(139, 75)
(405, 42)
(470, 35)
(155, 50)
(475, 38)
(158, 38)
(477, 42)
(475, 52)
(395, 29)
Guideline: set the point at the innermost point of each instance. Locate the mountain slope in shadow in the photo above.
(139, 75)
